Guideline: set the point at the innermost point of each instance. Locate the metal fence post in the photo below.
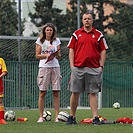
(19, 54)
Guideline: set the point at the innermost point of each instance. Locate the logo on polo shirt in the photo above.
(93, 36)
(79, 35)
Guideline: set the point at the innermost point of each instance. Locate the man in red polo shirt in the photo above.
(87, 55)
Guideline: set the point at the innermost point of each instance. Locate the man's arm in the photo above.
(71, 57)
(103, 58)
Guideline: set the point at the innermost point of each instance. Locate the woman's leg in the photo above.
(41, 102)
(56, 97)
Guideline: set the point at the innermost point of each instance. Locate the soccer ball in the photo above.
(63, 116)
(10, 115)
(116, 105)
(47, 115)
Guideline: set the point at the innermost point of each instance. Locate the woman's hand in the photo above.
(58, 55)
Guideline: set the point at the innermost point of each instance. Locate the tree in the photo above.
(123, 21)
(45, 12)
(71, 17)
(72, 14)
(9, 18)
(123, 35)
(120, 9)
(97, 10)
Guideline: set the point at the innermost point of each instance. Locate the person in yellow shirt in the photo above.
(3, 72)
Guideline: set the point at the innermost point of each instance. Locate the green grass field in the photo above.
(31, 126)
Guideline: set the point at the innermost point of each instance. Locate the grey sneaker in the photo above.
(71, 120)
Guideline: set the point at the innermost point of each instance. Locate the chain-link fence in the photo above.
(19, 51)
(21, 86)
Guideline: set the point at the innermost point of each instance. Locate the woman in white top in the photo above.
(49, 72)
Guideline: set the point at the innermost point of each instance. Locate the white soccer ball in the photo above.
(47, 115)
(10, 115)
(116, 105)
(63, 116)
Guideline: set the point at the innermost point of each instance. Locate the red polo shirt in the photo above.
(87, 47)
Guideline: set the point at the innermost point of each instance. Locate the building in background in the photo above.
(127, 1)
(28, 6)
